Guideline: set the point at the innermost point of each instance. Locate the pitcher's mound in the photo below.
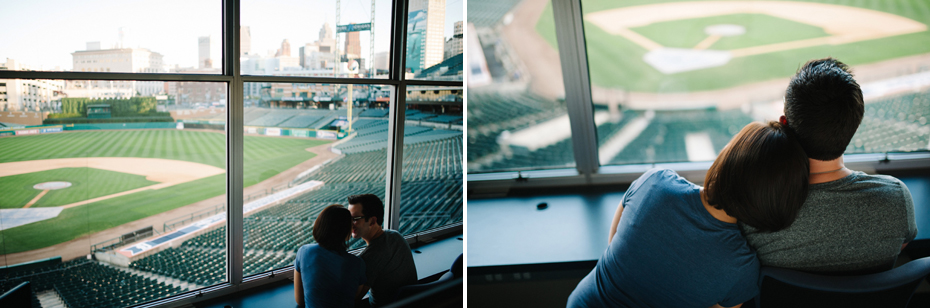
(52, 185)
(725, 30)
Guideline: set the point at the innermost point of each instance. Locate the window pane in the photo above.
(517, 118)
(112, 36)
(103, 193)
(322, 38)
(435, 40)
(431, 187)
(676, 80)
(303, 153)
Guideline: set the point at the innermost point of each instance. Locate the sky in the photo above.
(172, 27)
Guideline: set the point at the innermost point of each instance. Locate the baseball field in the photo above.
(121, 176)
(666, 46)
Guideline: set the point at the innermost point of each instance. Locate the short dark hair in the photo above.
(823, 105)
(332, 226)
(760, 177)
(371, 206)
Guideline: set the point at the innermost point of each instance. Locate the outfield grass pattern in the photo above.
(86, 183)
(264, 157)
(618, 63)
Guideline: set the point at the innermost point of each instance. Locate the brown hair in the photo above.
(332, 227)
(760, 177)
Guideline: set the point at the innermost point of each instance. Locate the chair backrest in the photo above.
(456, 268)
(789, 288)
(455, 271)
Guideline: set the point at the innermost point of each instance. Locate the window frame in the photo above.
(235, 82)
(572, 50)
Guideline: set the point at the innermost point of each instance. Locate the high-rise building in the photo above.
(28, 94)
(454, 44)
(285, 49)
(319, 54)
(381, 62)
(245, 41)
(312, 58)
(425, 40)
(204, 59)
(326, 32)
(123, 60)
(353, 48)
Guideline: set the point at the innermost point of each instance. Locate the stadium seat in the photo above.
(788, 288)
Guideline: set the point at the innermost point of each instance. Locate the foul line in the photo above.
(34, 200)
(710, 40)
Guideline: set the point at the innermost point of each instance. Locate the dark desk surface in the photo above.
(433, 258)
(511, 231)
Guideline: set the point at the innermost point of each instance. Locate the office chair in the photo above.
(781, 287)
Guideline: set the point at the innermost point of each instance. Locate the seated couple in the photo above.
(777, 195)
(325, 275)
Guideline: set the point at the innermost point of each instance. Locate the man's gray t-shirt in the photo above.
(854, 223)
(388, 266)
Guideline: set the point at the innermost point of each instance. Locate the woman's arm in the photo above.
(298, 289)
(362, 290)
(615, 222)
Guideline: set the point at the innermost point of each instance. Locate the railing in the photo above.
(62, 297)
(124, 239)
(171, 224)
(267, 191)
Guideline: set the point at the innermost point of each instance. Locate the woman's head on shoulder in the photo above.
(332, 226)
(760, 177)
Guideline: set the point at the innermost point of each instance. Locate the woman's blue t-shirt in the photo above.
(330, 278)
(670, 252)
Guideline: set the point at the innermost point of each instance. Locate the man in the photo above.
(388, 260)
(851, 222)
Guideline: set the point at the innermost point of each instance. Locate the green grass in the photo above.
(615, 62)
(761, 30)
(264, 157)
(86, 183)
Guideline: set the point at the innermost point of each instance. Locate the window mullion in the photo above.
(234, 144)
(395, 144)
(573, 56)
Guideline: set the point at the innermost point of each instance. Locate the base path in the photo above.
(80, 246)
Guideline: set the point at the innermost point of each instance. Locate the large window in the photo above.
(517, 114)
(171, 36)
(673, 81)
(431, 190)
(316, 38)
(172, 181)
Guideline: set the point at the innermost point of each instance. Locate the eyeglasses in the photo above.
(354, 219)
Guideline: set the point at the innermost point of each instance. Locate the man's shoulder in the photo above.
(862, 180)
(395, 241)
(390, 240)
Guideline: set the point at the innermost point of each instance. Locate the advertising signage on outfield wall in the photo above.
(31, 131)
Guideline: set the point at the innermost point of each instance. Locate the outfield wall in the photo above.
(295, 132)
(35, 130)
(107, 126)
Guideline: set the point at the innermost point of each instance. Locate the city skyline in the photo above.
(178, 41)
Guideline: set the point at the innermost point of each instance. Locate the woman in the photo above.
(677, 244)
(325, 275)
